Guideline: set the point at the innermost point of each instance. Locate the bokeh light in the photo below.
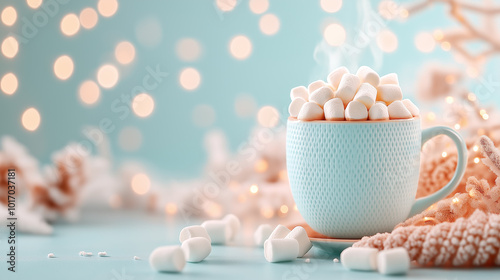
(70, 24)
(188, 49)
(334, 34)
(261, 166)
(245, 105)
(89, 92)
(143, 105)
(203, 115)
(9, 16)
(331, 6)
(171, 208)
(63, 67)
(10, 47)
(269, 24)
(31, 119)
(34, 4)
(190, 78)
(149, 32)
(107, 76)
(125, 52)
(240, 47)
(254, 189)
(268, 116)
(226, 5)
(387, 41)
(140, 183)
(258, 6)
(9, 83)
(107, 8)
(388, 9)
(424, 41)
(88, 18)
(130, 139)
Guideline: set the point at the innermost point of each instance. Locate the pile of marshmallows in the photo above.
(389, 262)
(345, 96)
(282, 244)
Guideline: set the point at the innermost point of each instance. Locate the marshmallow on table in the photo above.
(321, 95)
(348, 86)
(356, 111)
(196, 249)
(397, 110)
(391, 78)
(218, 230)
(167, 259)
(368, 75)
(262, 234)
(315, 85)
(336, 75)
(367, 94)
(393, 261)
(378, 112)
(234, 225)
(279, 232)
(193, 231)
(411, 107)
(359, 258)
(301, 92)
(295, 106)
(334, 110)
(389, 93)
(310, 111)
(281, 250)
(300, 234)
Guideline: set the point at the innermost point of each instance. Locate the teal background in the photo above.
(171, 141)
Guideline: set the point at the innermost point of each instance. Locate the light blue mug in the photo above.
(353, 179)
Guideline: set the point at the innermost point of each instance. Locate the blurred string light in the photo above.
(9, 16)
(268, 116)
(203, 115)
(331, 6)
(254, 189)
(226, 5)
(9, 83)
(261, 166)
(188, 49)
(125, 52)
(240, 47)
(140, 183)
(334, 34)
(107, 76)
(107, 8)
(130, 138)
(31, 119)
(143, 105)
(387, 41)
(269, 24)
(34, 4)
(10, 47)
(63, 67)
(258, 6)
(171, 208)
(70, 24)
(89, 92)
(284, 209)
(149, 32)
(190, 78)
(245, 105)
(389, 9)
(424, 41)
(88, 18)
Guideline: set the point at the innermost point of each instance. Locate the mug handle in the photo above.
(424, 202)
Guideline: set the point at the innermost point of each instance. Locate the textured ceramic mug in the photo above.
(352, 179)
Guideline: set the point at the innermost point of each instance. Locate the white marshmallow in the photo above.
(359, 258)
(102, 254)
(218, 230)
(389, 93)
(82, 253)
(262, 234)
(334, 110)
(367, 94)
(411, 107)
(391, 78)
(167, 259)
(196, 249)
(51, 256)
(336, 75)
(281, 250)
(136, 258)
(301, 92)
(295, 106)
(368, 75)
(300, 234)
(279, 232)
(315, 85)
(88, 254)
(356, 111)
(393, 261)
(321, 95)
(381, 102)
(193, 231)
(348, 86)
(310, 111)
(378, 112)
(397, 110)
(234, 225)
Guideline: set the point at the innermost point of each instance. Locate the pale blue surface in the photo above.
(125, 234)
